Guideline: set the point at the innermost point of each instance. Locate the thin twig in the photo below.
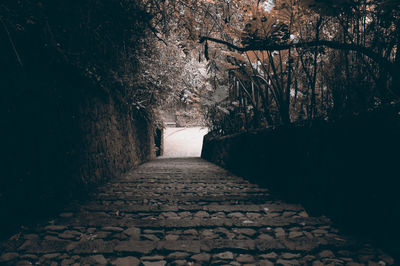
(12, 43)
(156, 34)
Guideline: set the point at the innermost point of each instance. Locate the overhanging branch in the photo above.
(228, 44)
(264, 46)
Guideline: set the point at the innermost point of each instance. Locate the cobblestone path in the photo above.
(186, 212)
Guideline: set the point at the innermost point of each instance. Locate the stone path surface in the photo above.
(185, 212)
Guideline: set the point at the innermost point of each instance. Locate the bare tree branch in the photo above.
(265, 46)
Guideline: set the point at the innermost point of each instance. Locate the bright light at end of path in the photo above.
(183, 142)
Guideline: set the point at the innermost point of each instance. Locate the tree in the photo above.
(302, 39)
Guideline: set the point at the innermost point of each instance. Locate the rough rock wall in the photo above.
(346, 170)
(114, 140)
(62, 135)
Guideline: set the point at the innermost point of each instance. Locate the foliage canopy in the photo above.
(268, 62)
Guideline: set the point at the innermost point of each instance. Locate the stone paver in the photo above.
(185, 212)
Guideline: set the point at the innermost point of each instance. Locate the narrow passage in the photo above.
(186, 211)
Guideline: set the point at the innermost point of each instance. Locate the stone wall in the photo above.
(159, 141)
(62, 136)
(347, 170)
